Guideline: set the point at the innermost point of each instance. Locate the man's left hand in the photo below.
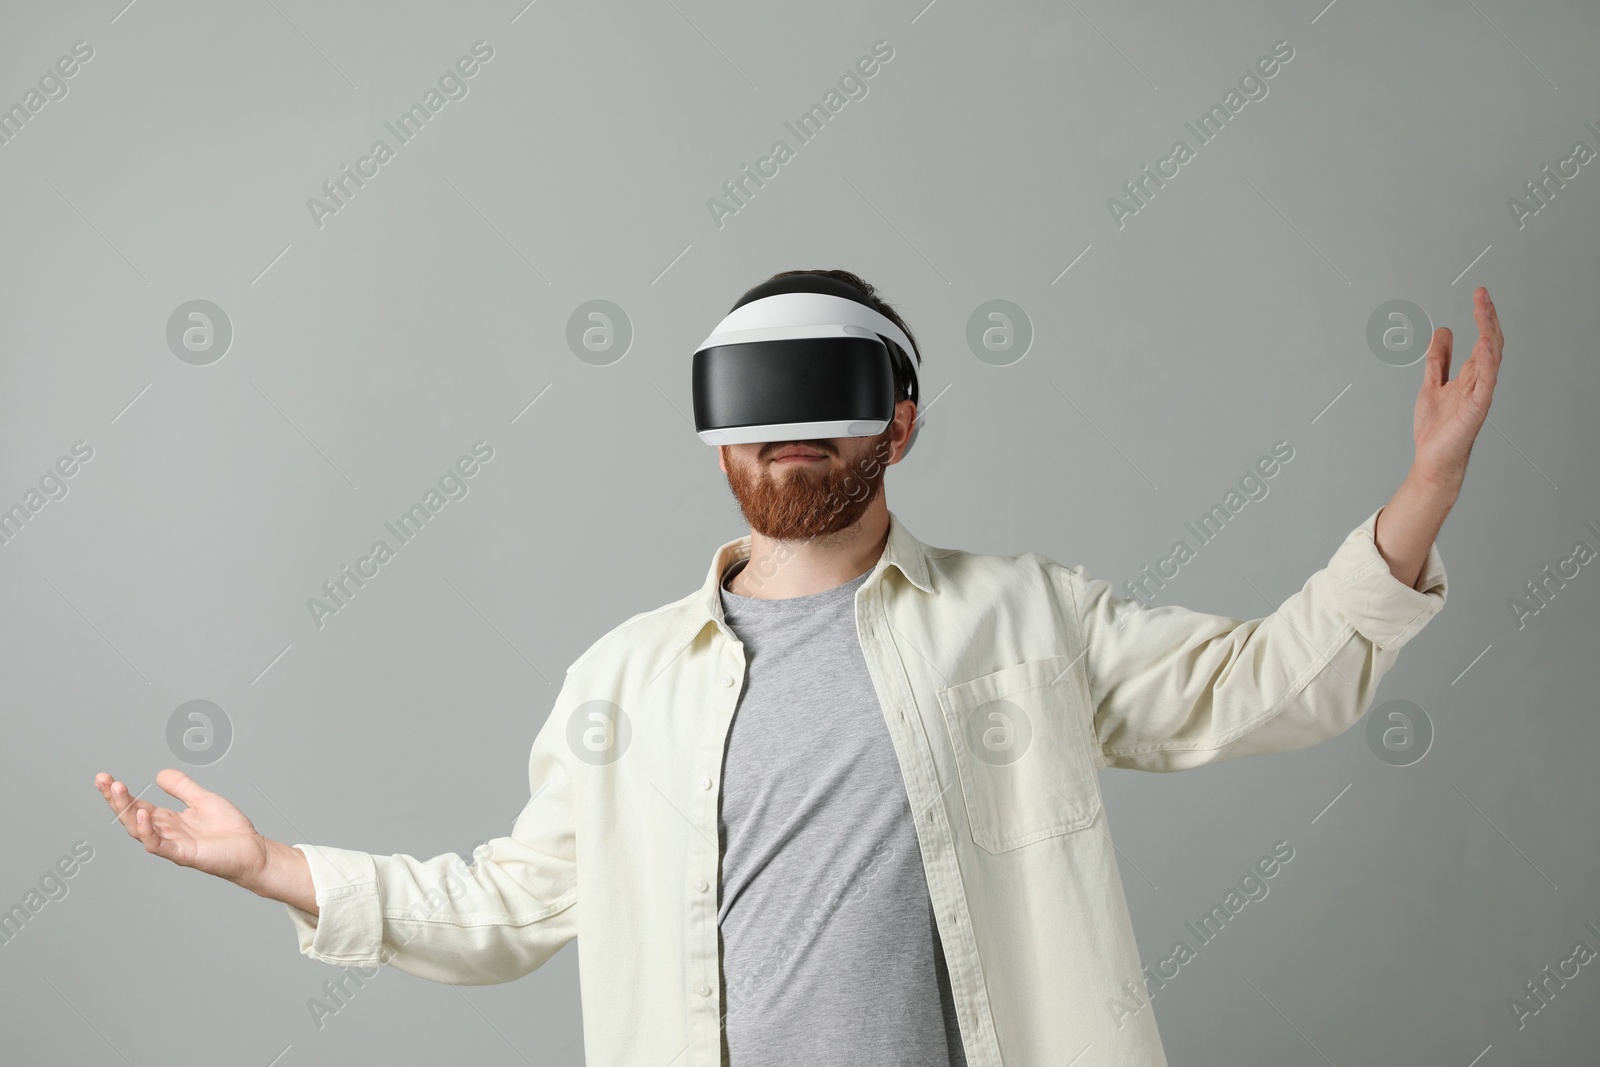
(1450, 413)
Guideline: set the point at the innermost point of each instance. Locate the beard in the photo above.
(801, 502)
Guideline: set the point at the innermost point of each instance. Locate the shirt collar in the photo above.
(903, 551)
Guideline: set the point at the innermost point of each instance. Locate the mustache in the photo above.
(770, 450)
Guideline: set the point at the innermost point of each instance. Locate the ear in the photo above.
(722, 458)
(905, 415)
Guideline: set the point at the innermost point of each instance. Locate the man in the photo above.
(840, 805)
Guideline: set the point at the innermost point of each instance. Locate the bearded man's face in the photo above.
(800, 490)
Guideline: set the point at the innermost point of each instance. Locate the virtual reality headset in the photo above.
(801, 358)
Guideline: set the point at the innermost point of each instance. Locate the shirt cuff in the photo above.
(1380, 607)
(348, 929)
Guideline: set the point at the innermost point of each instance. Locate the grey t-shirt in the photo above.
(830, 954)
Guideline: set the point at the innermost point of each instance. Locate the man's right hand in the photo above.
(210, 834)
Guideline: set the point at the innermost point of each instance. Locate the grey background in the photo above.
(368, 355)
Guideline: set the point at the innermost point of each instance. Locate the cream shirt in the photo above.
(1007, 683)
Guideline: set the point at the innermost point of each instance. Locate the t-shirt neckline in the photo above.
(806, 602)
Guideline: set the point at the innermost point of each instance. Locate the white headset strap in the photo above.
(785, 311)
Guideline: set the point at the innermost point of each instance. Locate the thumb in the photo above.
(180, 785)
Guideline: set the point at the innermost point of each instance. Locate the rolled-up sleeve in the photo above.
(494, 919)
(1174, 688)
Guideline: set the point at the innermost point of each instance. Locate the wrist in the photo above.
(1444, 488)
(259, 878)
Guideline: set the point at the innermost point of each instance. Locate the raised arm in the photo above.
(1174, 688)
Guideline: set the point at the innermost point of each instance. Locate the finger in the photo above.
(1437, 370)
(107, 786)
(1488, 320)
(1487, 364)
(125, 805)
(1488, 350)
(1482, 394)
(145, 830)
(1496, 336)
(181, 786)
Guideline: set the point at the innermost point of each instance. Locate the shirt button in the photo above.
(727, 681)
(705, 783)
(704, 990)
(702, 885)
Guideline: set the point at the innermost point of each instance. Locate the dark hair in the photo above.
(902, 387)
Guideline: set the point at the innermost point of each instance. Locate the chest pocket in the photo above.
(1023, 748)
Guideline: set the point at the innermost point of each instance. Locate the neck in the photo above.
(778, 570)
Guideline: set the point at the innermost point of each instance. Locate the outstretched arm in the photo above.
(443, 919)
(213, 836)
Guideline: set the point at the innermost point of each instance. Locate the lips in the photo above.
(798, 450)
